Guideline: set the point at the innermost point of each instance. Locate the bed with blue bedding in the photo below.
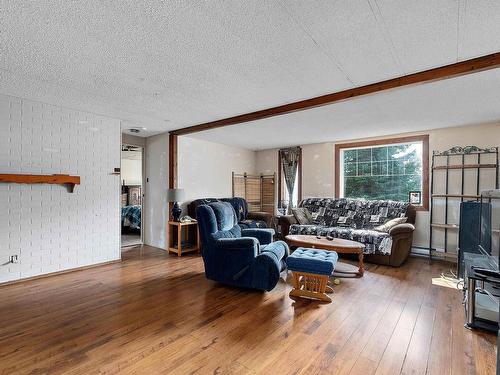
(131, 217)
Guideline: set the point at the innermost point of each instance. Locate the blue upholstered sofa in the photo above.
(238, 257)
(246, 219)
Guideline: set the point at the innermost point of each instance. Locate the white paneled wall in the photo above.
(49, 228)
(205, 168)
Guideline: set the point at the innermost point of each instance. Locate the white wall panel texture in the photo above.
(49, 228)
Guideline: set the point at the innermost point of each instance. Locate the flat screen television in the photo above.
(474, 239)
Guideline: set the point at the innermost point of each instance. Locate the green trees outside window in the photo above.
(382, 172)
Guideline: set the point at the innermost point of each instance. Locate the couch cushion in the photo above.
(302, 215)
(353, 213)
(336, 212)
(388, 225)
(312, 261)
(199, 202)
(278, 248)
(375, 242)
(308, 229)
(379, 212)
(234, 232)
(240, 206)
(318, 209)
(248, 224)
(319, 230)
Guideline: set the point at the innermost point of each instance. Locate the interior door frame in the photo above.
(143, 179)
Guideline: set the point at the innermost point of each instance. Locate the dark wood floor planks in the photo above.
(155, 313)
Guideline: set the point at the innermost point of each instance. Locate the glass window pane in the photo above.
(379, 168)
(379, 154)
(412, 167)
(350, 156)
(383, 172)
(397, 152)
(364, 169)
(396, 167)
(350, 169)
(365, 154)
(286, 196)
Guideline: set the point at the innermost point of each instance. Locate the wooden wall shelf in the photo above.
(59, 179)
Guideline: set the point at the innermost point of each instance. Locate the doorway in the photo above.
(131, 196)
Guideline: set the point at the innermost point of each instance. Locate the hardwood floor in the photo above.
(155, 313)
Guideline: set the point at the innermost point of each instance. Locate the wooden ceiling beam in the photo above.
(479, 64)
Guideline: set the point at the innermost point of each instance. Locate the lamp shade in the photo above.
(175, 195)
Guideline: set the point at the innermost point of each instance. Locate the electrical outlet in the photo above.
(14, 259)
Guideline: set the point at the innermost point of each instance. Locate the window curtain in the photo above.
(290, 161)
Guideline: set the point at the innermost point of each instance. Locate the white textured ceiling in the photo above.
(170, 64)
(472, 99)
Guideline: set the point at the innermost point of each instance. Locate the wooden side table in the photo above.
(176, 237)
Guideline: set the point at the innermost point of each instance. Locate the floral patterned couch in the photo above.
(355, 219)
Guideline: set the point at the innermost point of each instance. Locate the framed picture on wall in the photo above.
(415, 197)
(134, 195)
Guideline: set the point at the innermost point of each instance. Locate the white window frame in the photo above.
(341, 164)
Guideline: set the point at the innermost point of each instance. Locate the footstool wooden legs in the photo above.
(310, 285)
(311, 269)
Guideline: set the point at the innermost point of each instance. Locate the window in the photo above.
(283, 194)
(286, 196)
(387, 169)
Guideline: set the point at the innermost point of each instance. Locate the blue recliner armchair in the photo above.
(245, 258)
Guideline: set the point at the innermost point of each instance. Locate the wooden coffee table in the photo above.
(339, 245)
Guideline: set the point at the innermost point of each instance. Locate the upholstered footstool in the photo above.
(310, 270)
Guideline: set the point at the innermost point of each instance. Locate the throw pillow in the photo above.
(387, 226)
(302, 215)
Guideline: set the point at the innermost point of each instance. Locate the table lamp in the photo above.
(175, 196)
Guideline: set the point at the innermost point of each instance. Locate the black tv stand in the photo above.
(482, 293)
(487, 273)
